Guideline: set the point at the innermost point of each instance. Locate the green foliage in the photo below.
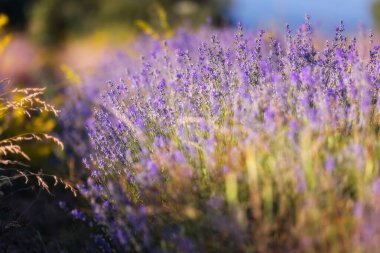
(376, 13)
(17, 107)
(54, 21)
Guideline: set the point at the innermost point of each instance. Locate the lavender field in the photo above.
(207, 139)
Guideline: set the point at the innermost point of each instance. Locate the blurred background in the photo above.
(54, 43)
(77, 32)
(326, 14)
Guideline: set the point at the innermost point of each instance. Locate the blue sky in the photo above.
(326, 14)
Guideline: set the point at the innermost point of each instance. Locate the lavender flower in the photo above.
(237, 142)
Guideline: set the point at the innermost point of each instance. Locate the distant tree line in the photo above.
(53, 20)
(376, 13)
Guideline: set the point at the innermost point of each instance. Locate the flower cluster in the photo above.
(240, 142)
